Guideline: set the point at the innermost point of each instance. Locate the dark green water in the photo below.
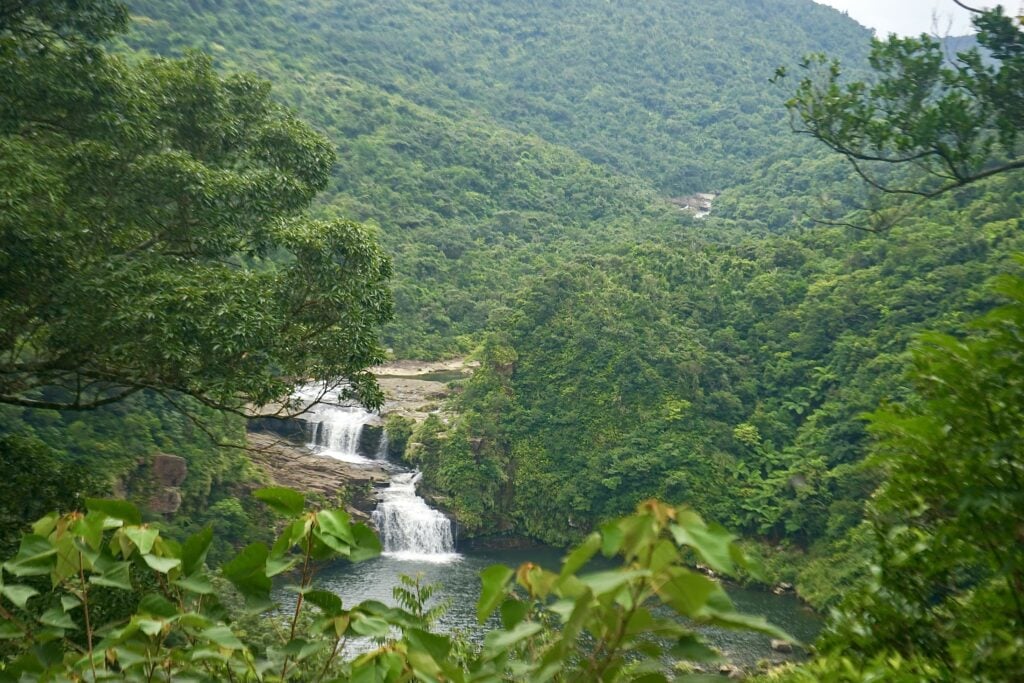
(375, 578)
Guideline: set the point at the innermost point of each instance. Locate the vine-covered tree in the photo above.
(153, 234)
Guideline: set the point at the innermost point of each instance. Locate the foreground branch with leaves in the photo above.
(100, 595)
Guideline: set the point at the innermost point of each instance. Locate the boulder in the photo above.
(783, 646)
(733, 672)
(169, 470)
(166, 501)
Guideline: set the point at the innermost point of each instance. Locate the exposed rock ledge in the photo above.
(409, 387)
(295, 467)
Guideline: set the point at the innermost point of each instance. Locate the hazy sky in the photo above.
(911, 17)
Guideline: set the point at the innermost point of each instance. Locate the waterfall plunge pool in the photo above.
(459, 576)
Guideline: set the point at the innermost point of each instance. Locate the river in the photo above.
(418, 540)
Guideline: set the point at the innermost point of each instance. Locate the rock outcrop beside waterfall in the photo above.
(296, 467)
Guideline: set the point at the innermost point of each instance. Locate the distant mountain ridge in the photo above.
(674, 91)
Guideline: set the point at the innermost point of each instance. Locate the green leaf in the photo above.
(691, 648)
(747, 622)
(161, 564)
(329, 603)
(366, 625)
(115, 575)
(367, 545)
(500, 641)
(9, 631)
(197, 583)
(157, 606)
(69, 602)
(57, 618)
(279, 565)
(602, 583)
(513, 612)
(285, 502)
(336, 523)
(116, 509)
(142, 537)
(710, 542)
(19, 595)
(575, 560)
(687, 592)
(34, 558)
(492, 592)
(193, 552)
(222, 637)
(248, 572)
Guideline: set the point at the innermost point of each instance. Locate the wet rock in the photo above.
(297, 468)
(782, 588)
(782, 646)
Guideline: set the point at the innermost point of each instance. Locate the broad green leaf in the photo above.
(9, 631)
(45, 525)
(603, 583)
(142, 537)
(575, 560)
(328, 602)
(161, 564)
(336, 523)
(34, 557)
(499, 641)
(58, 619)
(279, 565)
(115, 575)
(158, 606)
(222, 636)
(116, 509)
(197, 583)
(687, 592)
(194, 550)
(747, 622)
(611, 539)
(248, 572)
(494, 579)
(691, 648)
(366, 625)
(19, 595)
(69, 602)
(711, 542)
(151, 627)
(513, 612)
(285, 502)
(367, 545)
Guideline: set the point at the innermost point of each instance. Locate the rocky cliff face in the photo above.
(295, 467)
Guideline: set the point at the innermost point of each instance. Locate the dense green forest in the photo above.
(515, 170)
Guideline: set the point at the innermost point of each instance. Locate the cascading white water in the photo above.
(336, 432)
(409, 528)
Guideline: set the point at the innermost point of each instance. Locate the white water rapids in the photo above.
(409, 528)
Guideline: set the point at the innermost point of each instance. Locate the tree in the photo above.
(153, 230)
(954, 120)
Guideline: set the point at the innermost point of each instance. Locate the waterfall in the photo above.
(409, 528)
(336, 433)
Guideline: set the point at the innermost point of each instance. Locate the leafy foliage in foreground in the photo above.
(101, 596)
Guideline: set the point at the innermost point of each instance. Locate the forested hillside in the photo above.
(502, 180)
(464, 166)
